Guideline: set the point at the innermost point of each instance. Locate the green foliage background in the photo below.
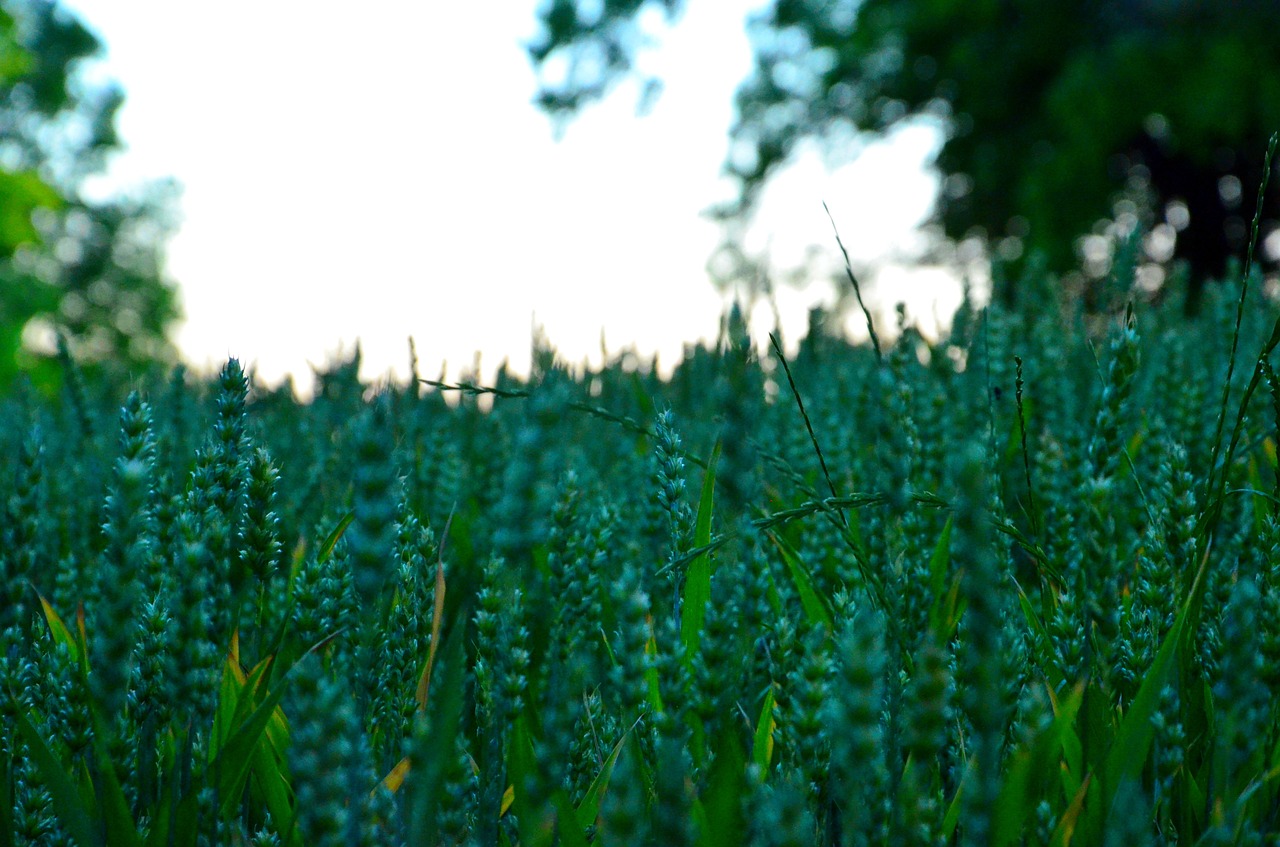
(72, 262)
(1053, 109)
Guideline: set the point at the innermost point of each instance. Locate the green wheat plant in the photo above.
(1018, 585)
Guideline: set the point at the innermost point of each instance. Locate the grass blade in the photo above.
(1030, 774)
(76, 817)
(444, 719)
(331, 540)
(721, 804)
(697, 582)
(6, 809)
(762, 749)
(59, 630)
(1128, 753)
(589, 808)
(816, 608)
(117, 819)
(437, 620)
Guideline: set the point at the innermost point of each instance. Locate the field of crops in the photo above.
(1019, 586)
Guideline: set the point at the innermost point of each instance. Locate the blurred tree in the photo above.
(1054, 110)
(73, 259)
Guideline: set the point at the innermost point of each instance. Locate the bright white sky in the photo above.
(381, 174)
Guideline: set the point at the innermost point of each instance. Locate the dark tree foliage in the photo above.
(72, 261)
(1053, 109)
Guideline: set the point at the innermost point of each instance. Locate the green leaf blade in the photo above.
(697, 583)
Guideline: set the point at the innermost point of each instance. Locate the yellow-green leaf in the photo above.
(762, 749)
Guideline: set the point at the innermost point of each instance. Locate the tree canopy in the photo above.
(1055, 111)
(72, 261)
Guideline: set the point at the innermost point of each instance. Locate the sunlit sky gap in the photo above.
(384, 175)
